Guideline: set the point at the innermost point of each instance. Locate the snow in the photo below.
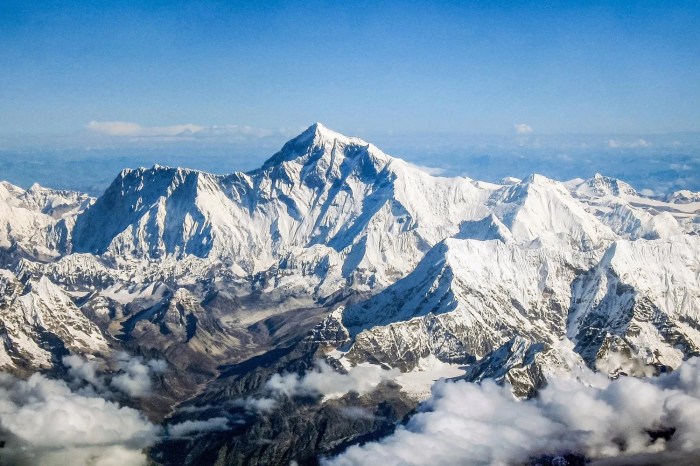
(419, 381)
(456, 268)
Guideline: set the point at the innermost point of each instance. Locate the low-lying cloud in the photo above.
(522, 128)
(134, 376)
(636, 144)
(129, 129)
(625, 421)
(189, 428)
(322, 380)
(44, 422)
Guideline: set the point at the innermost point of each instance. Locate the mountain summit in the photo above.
(316, 139)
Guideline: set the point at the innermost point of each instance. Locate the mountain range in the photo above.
(332, 259)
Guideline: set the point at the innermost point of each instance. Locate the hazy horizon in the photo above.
(657, 163)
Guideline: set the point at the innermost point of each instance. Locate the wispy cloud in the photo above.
(190, 428)
(133, 377)
(522, 128)
(636, 144)
(127, 129)
(322, 380)
(435, 171)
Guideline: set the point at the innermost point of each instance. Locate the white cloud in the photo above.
(321, 380)
(44, 422)
(637, 144)
(467, 424)
(126, 129)
(355, 412)
(188, 428)
(257, 405)
(135, 377)
(522, 128)
(324, 380)
(81, 371)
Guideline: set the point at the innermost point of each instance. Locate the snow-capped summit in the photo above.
(543, 210)
(683, 196)
(601, 186)
(314, 142)
(38, 221)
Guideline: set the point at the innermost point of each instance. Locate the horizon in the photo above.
(655, 166)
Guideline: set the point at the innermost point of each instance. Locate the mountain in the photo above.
(40, 323)
(463, 301)
(37, 222)
(337, 202)
(334, 253)
(683, 197)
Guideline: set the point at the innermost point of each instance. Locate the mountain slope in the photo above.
(39, 323)
(37, 222)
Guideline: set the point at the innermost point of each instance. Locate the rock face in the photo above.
(334, 250)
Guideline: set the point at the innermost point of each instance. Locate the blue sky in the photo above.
(359, 67)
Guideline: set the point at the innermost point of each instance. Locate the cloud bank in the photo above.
(625, 421)
(44, 422)
(125, 128)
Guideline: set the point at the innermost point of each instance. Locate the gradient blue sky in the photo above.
(359, 67)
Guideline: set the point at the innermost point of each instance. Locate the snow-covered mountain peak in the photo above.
(508, 180)
(52, 202)
(323, 155)
(321, 188)
(537, 179)
(543, 211)
(600, 186)
(683, 196)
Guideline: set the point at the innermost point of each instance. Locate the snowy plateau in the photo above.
(311, 310)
